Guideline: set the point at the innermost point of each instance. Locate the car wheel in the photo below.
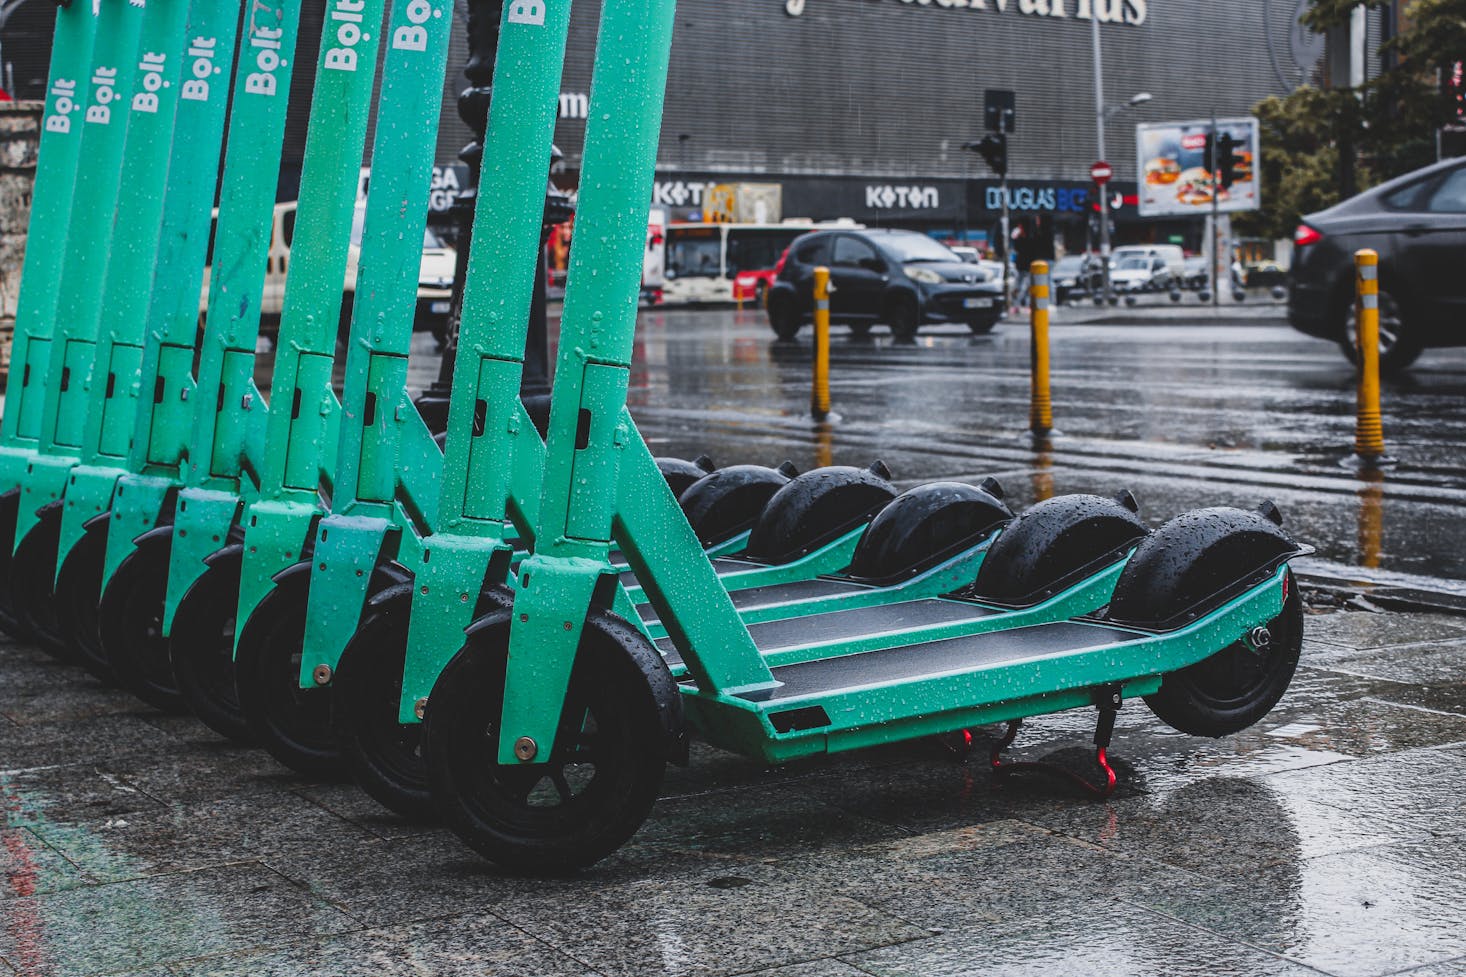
(981, 327)
(761, 294)
(903, 319)
(1398, 344)
(782, 319)
(860, 330)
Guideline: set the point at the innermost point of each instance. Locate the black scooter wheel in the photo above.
(32, 583)
(201, 647)
(291, 723)
(383, 754)
(1191, 566)
(131, 616)
(621, 722)
(1056, 544)
(10, 621)
(724, 503)
(78, 594)
(681, 473)
(816, 508)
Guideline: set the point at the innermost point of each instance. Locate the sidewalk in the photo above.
(1331, 839)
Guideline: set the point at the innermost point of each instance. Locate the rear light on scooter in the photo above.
(1305, 236)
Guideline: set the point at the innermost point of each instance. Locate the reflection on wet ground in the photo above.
(1329, 839)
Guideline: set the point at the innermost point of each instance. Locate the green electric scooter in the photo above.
(164, 524)
(61, 290)
(173, 145)
(548, 732)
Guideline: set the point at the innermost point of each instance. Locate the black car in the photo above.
(901, 278)
(1417, 223)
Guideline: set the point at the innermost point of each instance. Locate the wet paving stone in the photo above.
(1081, 937)
(1354, 914)
(185, 838)
(705, 917)
(469, 945)
(98, 738)
(206, 769)
(349, 803)
(1362, 630)
(126, 926)
(74, 794)
(29, 867)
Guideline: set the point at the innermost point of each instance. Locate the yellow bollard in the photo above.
(819, 401)
(1041, 408)
(1369, 436)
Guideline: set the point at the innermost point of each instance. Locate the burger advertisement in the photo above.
(1174, 179)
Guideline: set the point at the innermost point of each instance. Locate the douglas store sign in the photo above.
(1047, 197)
(1132, 12)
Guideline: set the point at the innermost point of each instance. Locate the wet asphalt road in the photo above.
(1184, 415)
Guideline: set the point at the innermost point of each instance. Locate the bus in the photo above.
(707, 263)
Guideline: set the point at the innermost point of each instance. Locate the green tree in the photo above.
(1315, 142)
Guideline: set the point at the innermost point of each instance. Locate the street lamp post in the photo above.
(1101, 115)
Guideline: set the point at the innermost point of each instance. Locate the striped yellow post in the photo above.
(819, 401)
(1041, 408)
(1369, 437)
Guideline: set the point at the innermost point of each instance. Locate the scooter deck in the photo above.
(738, 573)
(915, 687)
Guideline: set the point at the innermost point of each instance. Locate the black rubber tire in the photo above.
(10, 622)
(383, 755)
(982, 327)
(131, 628)
(291, 723)
(860, 330)
(32, 583)
(904, 318)
(201, 647)
(782, 319)
(1237, 686)
(1400, 345)
(618, 681)
(78, 594)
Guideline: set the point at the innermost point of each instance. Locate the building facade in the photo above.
(860, 108)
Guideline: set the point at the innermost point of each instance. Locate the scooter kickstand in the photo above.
(1108, 705)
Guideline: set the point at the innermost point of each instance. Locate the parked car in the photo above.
(901, 278)
(1138, 273)
(1417, 223)
(435, 276)
(1074, 275)
(1170, 254)
(1265, 274)
(1196, 273)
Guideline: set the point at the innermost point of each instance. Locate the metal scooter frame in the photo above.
(64, 352)
(137, 387)
(601, 484)
(67, 92)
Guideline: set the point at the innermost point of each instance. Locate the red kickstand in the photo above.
(1102, 734)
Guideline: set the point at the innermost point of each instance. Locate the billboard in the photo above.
(1174, 181)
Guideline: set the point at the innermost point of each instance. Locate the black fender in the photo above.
(1056, 544)
(818, 507)
(726, 502)
(925, 525)
(1197, 562)
(681, 473)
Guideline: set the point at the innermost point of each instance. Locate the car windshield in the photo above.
(909, 248)
(1136, 263)
(1070, 265)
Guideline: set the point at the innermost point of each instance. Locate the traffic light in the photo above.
(994, 149)
(1228, 159)
(1209, 154)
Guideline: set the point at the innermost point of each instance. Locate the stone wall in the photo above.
(20, 128)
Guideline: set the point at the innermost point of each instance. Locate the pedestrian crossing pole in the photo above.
(1369, 438)
(1040, 410)
(819, 402)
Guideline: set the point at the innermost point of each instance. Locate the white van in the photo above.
(435, 276)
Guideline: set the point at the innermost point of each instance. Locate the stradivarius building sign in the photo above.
(1131, 12)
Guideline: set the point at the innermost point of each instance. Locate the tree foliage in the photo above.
(1316, 141)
